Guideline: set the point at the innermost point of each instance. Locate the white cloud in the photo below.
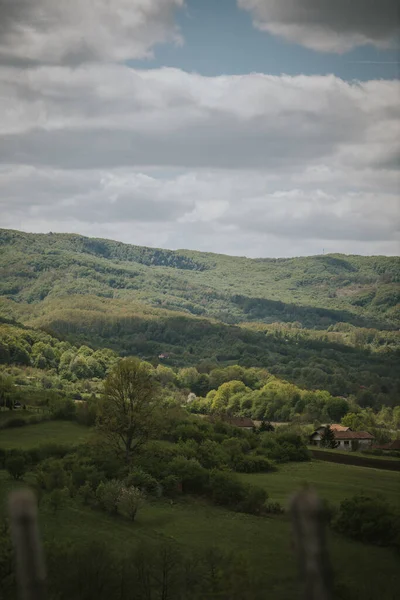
(328, 25)
(237, 212)
(77, 31)
(98, 116)
(253, 164)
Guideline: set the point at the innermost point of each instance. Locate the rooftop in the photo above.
(353, 435)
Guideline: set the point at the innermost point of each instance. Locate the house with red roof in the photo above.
(344, 436)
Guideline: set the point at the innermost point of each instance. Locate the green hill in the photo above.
(323, 322)
(315, 291)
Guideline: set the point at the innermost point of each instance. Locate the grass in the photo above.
(265, 542)
(31, 436)
(332, 480)
(195, 525)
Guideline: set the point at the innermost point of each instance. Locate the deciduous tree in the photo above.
(129, 413)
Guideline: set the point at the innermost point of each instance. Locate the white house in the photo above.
(346, 438)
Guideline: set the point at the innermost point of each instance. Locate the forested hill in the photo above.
(314, 291)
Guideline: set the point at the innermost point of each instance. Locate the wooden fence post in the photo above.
(309, 531)
(31, 573)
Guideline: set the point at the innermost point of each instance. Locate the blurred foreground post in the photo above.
(308, 519)
(28, 550)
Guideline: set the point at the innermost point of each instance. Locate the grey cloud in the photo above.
(328, 25)
(74, 32)
(295, 215)
(203, 203)
(107, 117)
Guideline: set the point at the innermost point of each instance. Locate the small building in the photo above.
(242, 422)
(163, 356)
(347, 439)
(334, 427)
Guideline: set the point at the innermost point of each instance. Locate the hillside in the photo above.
(208, 310)
(315, 291)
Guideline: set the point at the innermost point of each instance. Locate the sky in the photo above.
(258, 128)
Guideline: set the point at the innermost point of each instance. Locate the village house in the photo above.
(344, 436)
(242, 422)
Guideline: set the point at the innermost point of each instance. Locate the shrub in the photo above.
(52, 450)
(86, 494)
(274, 508)
(51, 475)
(142, 480)
(56, 499)
(14, 422)
(254, 464)
(82, 473)
(154, 458)
(188, 431)
(368, 520)
(225, 488)
(129, 502)
(171, 486)
(16, 466)
(108, 494)
(253, 501)
(190, 473)
(211, 454)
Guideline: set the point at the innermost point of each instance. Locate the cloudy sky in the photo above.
(249, 127)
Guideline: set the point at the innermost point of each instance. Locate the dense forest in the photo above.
(316, 291)
(191, 309)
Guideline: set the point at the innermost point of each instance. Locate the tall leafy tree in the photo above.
(129, 413)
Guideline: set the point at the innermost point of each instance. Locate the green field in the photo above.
(195, 525)
(333, 481)
(31, 436)
(265, 542)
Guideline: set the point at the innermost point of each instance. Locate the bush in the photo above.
(83, 472)
(142, 480)
(86, 494)
(190, 473)
(14, 422)
(171, 486)
(56, 499)
(51, 450)
(253, 501)
(16, 466)
(108, 494)
(284, 447)
(226, 489)
(188, 431)
(154, 458)
(212, 455)
(369, 520)
(129, 502)
(254, 464)
(51, 475)
(274, 508)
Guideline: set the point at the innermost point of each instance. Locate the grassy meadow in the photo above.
(264, 542)
(333, 481)
(31, 436)
(191, 523)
